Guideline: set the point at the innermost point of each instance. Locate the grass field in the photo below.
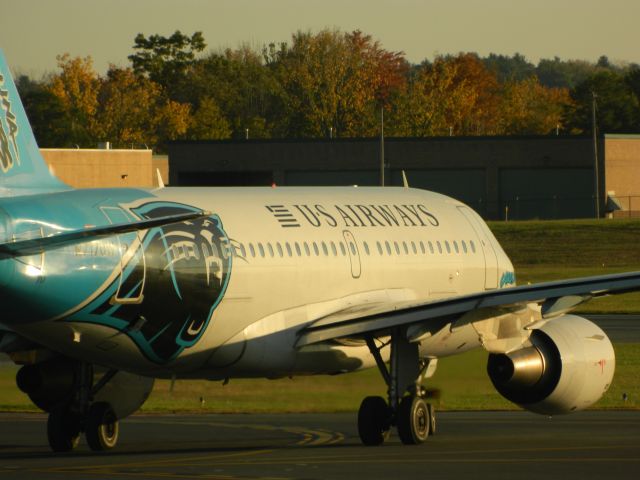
(540, 251)
(461, 380)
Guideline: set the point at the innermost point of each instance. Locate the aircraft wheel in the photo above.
(432, 419)
(102, 427)
(63, 430)
(374, 421)
(413, 420)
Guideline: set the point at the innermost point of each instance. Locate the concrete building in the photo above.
(501, 177)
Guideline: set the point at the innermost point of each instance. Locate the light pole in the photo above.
(594, 96)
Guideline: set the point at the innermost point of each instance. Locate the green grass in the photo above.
(461, 380)
(554, 250)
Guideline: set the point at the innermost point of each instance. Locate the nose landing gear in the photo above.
(407, 408)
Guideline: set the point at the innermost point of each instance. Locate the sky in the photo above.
(33, 32)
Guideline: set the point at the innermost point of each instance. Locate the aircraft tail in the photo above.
(23, 171)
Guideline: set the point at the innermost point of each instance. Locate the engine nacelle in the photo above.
(52, 384)
(569, 367)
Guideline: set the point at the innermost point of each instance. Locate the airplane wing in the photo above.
(36, 246)
(554, 299)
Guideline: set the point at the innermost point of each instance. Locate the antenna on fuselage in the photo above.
(405, 183)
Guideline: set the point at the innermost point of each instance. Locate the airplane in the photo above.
(105, 290)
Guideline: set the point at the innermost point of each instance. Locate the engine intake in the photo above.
(568, 367)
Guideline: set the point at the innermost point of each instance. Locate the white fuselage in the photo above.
(300, 255)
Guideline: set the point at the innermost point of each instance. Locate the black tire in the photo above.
(374, 421)
(432, 419)
(102, 427)
(413, 420)
(63, 430)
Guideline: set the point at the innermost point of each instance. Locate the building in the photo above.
(95, 168)
(501, 177)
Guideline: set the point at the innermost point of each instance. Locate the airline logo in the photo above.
(356, 215)
(9, 154)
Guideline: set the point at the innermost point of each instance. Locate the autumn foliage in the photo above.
(318, 85)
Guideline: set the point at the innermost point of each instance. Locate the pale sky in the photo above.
(33, 32)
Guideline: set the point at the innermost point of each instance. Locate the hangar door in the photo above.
(546, 193)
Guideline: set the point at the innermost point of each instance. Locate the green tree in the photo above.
(617, 106)
(165, 60)
(508, 68)
(209, 122)
(46, 113)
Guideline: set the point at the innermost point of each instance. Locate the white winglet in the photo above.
(160, 182)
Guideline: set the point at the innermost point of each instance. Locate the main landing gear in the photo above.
(407, 408)
(97, 420)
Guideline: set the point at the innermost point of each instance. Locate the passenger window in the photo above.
(252, 250)
(379, 248)
(455, 246)
(342, 249)
(334, 250)
(386, 244)
(406, 249)
(366, 248)
(431, 247)
(279, 248)
(422, 248)
(298, 251)
(439, 246)
(306, 249)
(261, 249)
(464, 246)
(270, 248)
(288, 247)
(395, 244)
(446, 244)
(353, 249)
(325, 250)
(413, 247)
(315, 249)
(473, 246)
(243, 251)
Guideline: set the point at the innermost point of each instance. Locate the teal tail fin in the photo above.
(23, 171)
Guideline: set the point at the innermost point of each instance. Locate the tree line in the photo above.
(318, 85)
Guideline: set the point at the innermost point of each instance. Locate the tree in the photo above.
(166, 59)
(46, 113)
(335, 82)
(134, 110)
(209, 122)
(557, 73)
(618, 110)
(507, 68)
(528, 108)
(76, 88)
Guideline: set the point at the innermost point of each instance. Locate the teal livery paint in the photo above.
(159, 286)
(22, 168)
(508, 279)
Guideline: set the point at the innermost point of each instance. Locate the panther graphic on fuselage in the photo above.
(170, 286)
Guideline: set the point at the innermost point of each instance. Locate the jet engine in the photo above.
(53, 383)
(568, 367)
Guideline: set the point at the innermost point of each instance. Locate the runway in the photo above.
(467, 444)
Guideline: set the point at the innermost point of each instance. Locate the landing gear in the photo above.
(97, 420)
(374, 421)
(101, 427)
(407, 408)
(63, 430)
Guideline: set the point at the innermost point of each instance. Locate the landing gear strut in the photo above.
(97, 420)
(406, 408)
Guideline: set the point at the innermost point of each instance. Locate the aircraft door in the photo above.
(354, 254)
(132, 261)
(490, 258)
